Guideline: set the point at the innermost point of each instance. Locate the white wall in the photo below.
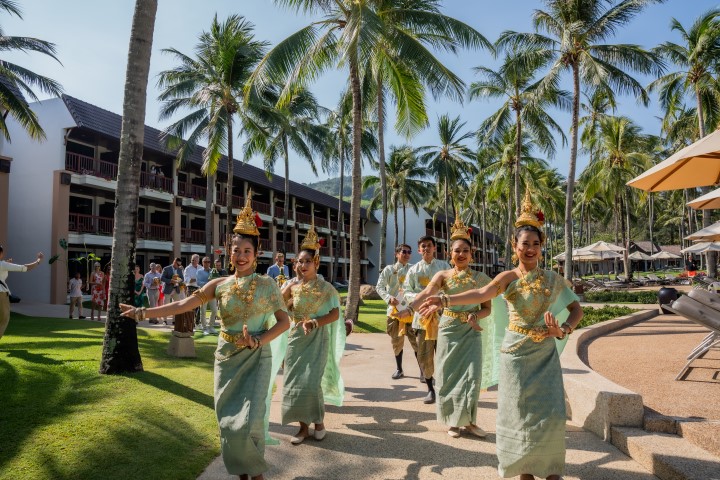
(415, 230)
(31, 190)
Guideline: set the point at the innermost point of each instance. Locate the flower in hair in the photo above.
(540, 215)
(321, 242)
(258, 220)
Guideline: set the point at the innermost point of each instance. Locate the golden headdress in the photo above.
(247, 219)
(529, 213)
(311, 240)
(459, 230)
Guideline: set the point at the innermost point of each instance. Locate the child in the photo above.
(75, 286)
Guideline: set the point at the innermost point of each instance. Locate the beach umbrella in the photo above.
(663, 255)
(605, 250)
(640, 256)
(702, 247)
(706, 202)
(708, 234)
(697, 165)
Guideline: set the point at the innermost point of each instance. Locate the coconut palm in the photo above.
(624, 153)
(696, 58)
(345, 37)
(451, 162)
(406, 186)
(16, 82)
(120, 351)
(210, 85)
(274, 129)
(405, 80)
(572, 31)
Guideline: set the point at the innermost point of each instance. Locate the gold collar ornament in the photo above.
(311, 241)
(247, 220)
(530, 214)
(459, 230)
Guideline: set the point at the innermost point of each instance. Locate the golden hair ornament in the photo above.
(529, 213)
(247, 220)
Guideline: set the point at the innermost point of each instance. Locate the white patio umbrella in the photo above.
(697, 165)
(605, 250)
(708, 234)
(663, 255)
(706, 202)
(702, 247)
(640, 256)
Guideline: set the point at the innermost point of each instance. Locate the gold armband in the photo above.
(201, 295)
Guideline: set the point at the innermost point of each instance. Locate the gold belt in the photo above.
(231, 337)
(462, 316)
(536, 334)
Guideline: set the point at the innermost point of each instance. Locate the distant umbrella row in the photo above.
(600, 251)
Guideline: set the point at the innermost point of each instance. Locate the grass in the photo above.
(62, 420)
(372, 317)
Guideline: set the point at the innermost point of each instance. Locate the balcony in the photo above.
(265, 245)
(237, 201)
(190, 235)
(303, 218)
(325, 251)
(157, 182)
(188, 190)
(90, 166)
(334, 226)
(321, 222)
(261, 207)
(154, 231)
(93, 224)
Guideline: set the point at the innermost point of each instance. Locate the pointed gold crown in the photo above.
(246, 219)
(459, 230)
(529, 213)
(311, 240)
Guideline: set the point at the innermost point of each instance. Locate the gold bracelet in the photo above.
(201, 295)
(570, 328)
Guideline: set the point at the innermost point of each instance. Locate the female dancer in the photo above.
(315, 346)
(463, 353)
(139, 298)
(252, 315)
(531, 405)
(97, 291)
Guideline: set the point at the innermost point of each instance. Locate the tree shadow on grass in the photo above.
(171, 386)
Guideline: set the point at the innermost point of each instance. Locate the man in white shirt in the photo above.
(75, 290)
(6, 267)
(190, 278)
(389, 286)
(152, 287)
(417, 278)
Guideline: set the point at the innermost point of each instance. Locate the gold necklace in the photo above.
(246, 295)
(535, 286)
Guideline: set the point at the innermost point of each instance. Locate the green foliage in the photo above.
(331, 186)
(60, 419)
(591, 315)
(621, 297)
(372, 317)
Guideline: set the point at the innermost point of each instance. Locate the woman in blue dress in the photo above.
(531, 406)
(253, 314)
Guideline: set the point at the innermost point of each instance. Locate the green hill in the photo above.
(331, 186)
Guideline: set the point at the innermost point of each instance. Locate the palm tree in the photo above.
(574, 32)
(16, 82)
(524, 103)
(406, 186)
(273, 129)
(697, 60)
(120, 351)
(211, 86)
(420, 22)
(623, 153)
(451, 162)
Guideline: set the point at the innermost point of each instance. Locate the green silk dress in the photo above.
(531, 404)
(465, 358)
(312, 361)
(243, 376)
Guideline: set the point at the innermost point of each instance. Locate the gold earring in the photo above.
(254, 265)
(514, 259)
(231, 267)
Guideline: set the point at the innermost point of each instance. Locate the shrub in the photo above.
(592, 315)
(622, 297)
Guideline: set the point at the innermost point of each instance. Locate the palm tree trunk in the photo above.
(397, 228)
(353, 297)
(571, 173)
(209, 214)
(229, 189)
(341, 223)
(120, 353)
(447, 213)
(482, 232)
(404, 222)
(711, 256)
(518, 152)
(508, 234)
(626, 234)
(287, 192)
(383, 175)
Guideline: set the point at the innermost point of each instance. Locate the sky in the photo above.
(92, 38)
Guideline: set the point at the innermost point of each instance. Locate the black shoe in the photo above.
(429, 398)
(398, 374)
(81, 317)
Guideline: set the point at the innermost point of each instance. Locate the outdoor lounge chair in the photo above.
(703, 315)
(655, 279)
(675, 280)
(710, 299)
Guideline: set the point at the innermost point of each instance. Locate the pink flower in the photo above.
(540, 215)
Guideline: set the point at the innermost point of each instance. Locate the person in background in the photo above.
(172, 277)
(203, 277)
(218, 271)
(139, 299)
(75, 288)
(6, 267)
(151, 282)
(97, 291)
(106, 284)
(279, 268)
(190, 279)
(161, 293)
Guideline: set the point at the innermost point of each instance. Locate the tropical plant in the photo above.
(451, 162)
(697, 60)
(16, 82)
(210, 85)
(120, 351)
(573, 32)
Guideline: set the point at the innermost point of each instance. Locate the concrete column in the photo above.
(5, 164)
(175, 222)
(59, 229)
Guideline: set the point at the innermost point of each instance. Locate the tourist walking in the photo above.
(203, 277)
(417, 278)
(315, 346)
(75, 289)
(172, 277)
(5, 268)
(139, 298)
(152, 288)
(531, 405)
(389, 287)
(252, 315)
(97, 291)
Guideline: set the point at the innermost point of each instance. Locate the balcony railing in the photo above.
(286, 247)
(265, 245)
(325, 251)
(280, 213)
(154, 231)
(81, 223)
(303, 218)
(188, 190)
(155, 181)
(321, 222)
(334, 226)
(237, 201)
(90, 166)
(261, 207)
(190, 235)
